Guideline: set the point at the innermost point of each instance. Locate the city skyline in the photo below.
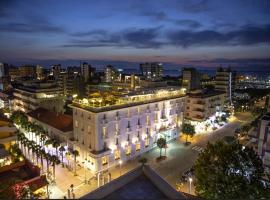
(193, 33)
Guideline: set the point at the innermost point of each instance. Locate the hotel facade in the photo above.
(106, 134)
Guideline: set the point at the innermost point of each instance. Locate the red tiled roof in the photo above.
(61, 122)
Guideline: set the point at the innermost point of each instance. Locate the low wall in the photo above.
(12, 166)
(161, 184)
(114, 185)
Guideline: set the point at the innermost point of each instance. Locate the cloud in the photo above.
(188, 23)
(156, 15)
(31, 24)
(137, 38)
(251, 61)
(247, 35)
(195, 6)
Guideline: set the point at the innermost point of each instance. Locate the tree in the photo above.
(161, 143)
(62, 149)
(75, 154)
(228, 171)
(188, 130)
(55, 161)
(55, 145)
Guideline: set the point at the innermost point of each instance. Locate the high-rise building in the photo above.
(225, 81)
(28, 71)
(87, 71)
(152, 71)
(111, 74)
(40, 72)
(66, 82)
(55, 70)
(30, 95)
(191, 79)
(106, 131)
(4, 76)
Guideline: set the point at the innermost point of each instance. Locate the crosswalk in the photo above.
(197, 148)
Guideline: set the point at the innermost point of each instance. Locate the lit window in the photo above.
(76, 123)
(117, 154)
(128, 150)
(104, 160)
(147, 120)
(146, 142)
(138, 146)
(104, 131)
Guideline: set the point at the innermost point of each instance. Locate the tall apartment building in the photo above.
(225, 81)
(27, 71)
(152, 71)
(106, 132)
(203, 104)
(264, 141)
(40, 72)
(87, 71)
(66, 82)
(4, 76)
(55, 71)
(31, 95)
(191, 79)
(111, 74)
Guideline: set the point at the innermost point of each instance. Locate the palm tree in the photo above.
(48, 142)
(42, 138)
(67, 157)
(188, 130)
(56, 144)
(47, 156)
(75, 154)
(62, 149)
(42, 155)
(161, 143)
(55, 161)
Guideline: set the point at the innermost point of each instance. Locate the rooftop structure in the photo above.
(140, 183)
(100, 103)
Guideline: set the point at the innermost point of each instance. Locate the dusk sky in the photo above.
(203, 33)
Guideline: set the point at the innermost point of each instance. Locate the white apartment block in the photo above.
(104, 135)
(31, 95)
(264, 141)
(203, 104)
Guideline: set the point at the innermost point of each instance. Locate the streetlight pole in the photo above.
(120, 163)
(84, 172)
(190, 180)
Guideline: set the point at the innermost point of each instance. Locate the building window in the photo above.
(147, 142)
(117, 154)
(104, 132)
(104, 160)
(128, 150)
(147, 120)
(138, 146)
(76, 124)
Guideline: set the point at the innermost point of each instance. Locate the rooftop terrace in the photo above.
(100, 102)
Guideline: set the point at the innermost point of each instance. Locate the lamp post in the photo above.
(120, 163)
(84, 164)
(190, 181)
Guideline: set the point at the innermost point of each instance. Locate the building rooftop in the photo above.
(205, 93)
(100, 103)
(61, 122)
(140, 183)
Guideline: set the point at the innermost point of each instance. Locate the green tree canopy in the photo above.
(229, 171)
(188, 130)
(161, 143)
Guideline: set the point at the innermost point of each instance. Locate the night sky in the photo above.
(198, 33)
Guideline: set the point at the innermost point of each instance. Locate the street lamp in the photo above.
(190, 180)
(120, 163)
(84, 164)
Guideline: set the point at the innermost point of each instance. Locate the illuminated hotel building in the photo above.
(31, 95)
(105, 133)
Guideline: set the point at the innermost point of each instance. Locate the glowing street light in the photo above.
(120, 163)
(190, 181)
